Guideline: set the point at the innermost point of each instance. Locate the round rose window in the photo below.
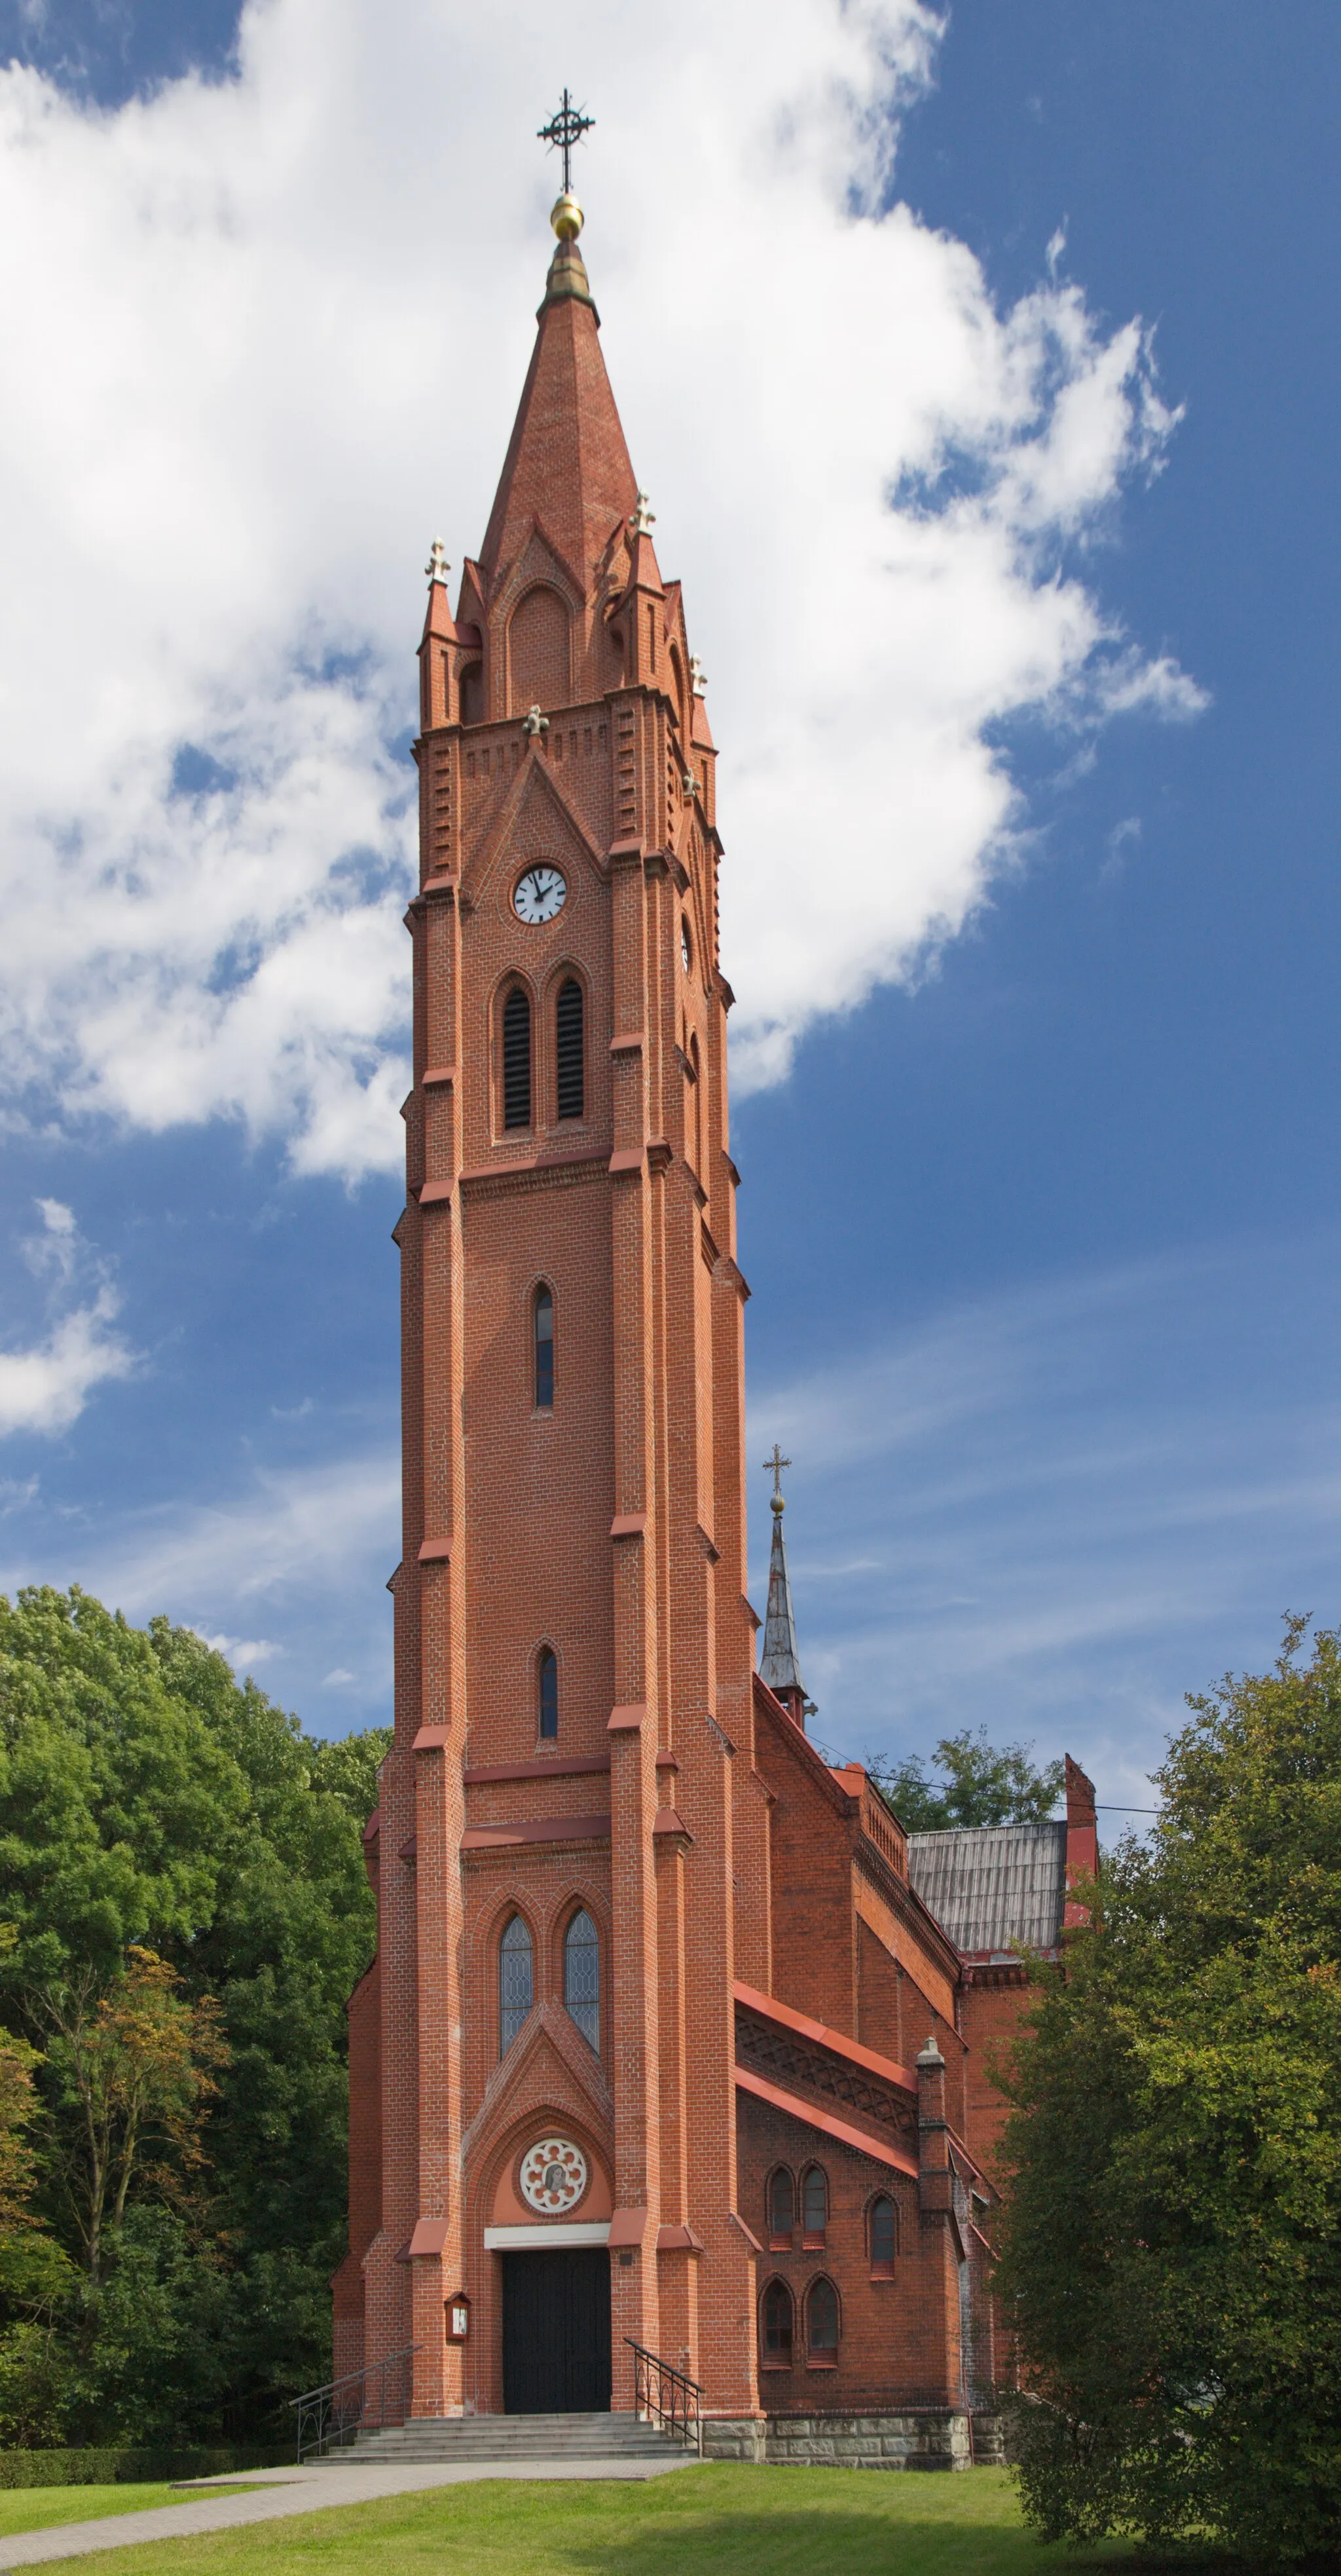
(553, 2175)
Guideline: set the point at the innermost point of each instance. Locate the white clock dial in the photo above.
(539, 895)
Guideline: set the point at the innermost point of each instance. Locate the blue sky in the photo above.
(1043, 1229)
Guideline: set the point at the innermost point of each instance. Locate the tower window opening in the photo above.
(516, 1982)
(472, 693)
(568, 1049)
(814, 2206)
(517, 1059)
(547, 1676)
(822, 2321)
(778, 2325)
(781, 2206)
(543, 1312)
(582, 1977)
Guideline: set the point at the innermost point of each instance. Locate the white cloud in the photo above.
(244, 1653)
(262, 336)
(45, 1387)
(332, 1680)
(291, 1536)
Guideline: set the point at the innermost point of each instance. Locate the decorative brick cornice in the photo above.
(786, 2056)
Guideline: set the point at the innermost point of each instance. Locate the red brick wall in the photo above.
(893, 2333)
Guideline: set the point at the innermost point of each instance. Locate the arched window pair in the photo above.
(581, 1979)
(569, 1060)
(814, 2206)
(820, 2325)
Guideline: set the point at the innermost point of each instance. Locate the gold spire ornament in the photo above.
(566, 216)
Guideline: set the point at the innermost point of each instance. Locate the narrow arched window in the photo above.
(569, 1084)
(472, 694)
(516, 1059)
(516, 1982)
(698, 1106)
(781, 2204)
(543, 1335)
(547, 1678)
(582, 1977)
(778, 2324)
(822, 2319)
(814, 2205)
(884, 2235)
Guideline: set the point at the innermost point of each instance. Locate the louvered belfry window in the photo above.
(568, 1036)
(517, 1059)
(516, 1986)
(582, 1977)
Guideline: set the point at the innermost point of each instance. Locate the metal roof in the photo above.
(992, 1885)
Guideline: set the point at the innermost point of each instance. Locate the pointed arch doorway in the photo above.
(556, 2331)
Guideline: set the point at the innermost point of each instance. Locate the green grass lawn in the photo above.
(36, 2508)
(733, 2521)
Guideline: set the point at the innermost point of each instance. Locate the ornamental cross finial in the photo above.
(437, 566)
(562, 132)
(698, 678)
(773, 1467)
(642, 518)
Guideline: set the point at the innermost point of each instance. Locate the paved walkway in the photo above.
(273, 2493)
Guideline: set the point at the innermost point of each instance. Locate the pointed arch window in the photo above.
(779, 2316)
(814, 2205)
(582, 1977)
(516, 1982)
(547, 1690)
(781, 2206)
(517, 1059)
(472, 694)
(822, 2325)
(569, 1070)
(542, 1334)
(698, 1106)
(883, 2237)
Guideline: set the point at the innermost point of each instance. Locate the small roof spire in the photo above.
(779, 1665)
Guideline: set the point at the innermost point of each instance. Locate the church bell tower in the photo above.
(571, 1846)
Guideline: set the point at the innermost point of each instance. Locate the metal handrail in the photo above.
(331, 2416)
(664, 2396)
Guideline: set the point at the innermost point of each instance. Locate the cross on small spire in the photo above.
(437, 566)
(565, 129)
(773, 1467)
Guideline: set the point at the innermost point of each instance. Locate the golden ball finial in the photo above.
(567, 216)
(777, 1503)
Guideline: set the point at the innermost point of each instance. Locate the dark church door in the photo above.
(556, 2332)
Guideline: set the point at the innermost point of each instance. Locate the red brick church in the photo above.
(674, 2039)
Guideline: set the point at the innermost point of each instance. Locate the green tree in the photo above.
(147, 1798)
(1172, 2238)
(135, 2066)
(980, 1784)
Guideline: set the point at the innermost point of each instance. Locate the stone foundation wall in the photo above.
(931, 2439)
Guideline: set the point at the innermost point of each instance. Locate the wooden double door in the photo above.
(556, 2331)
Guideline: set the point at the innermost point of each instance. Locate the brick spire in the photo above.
(780, 1667)
(567, 465)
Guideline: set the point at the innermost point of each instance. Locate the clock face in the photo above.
(539, 895)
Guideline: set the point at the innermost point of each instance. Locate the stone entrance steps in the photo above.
(468, 2438)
